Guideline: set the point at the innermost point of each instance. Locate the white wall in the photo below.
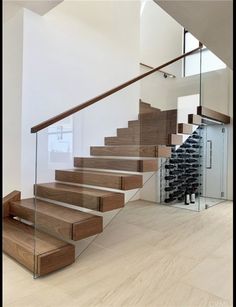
(75, 52)
(12, 95)
(160, 36)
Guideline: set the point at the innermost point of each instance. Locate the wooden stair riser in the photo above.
(78, 197)
(109, 180)
(155, 116)
(117, 164)
(49, 218)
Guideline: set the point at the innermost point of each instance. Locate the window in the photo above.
(191, 65)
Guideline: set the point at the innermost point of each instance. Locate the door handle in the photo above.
(209, 154)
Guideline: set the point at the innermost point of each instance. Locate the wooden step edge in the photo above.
(90, 226)
(185, 128)
(163, 151)
(85, 229)
(40, 264)
(194, 119)
(13, 196)
(117, 181)
(175, 139)
(214, 115)
(139, 165)
(111, 202)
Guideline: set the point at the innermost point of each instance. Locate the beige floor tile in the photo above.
(148, 255)
(184, 295)
(214, 275)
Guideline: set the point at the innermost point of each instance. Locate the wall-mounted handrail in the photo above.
(89, 102)
(165, 74)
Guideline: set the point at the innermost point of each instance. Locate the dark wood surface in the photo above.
(132, 165)
(37, 251)
(93, 199)
(15, 195)
(128, 151)
(64, 222)
(98, 178)
(90, 102)
(211, 114)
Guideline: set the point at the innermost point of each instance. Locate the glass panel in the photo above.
(89, 165)
(177, 97)
(214, 168)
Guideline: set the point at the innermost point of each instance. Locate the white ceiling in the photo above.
(211, 22)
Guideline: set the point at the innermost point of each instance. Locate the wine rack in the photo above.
(181, 174)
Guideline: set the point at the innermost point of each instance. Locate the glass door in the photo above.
(214, 164)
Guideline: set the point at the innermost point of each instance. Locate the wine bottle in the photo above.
(191, 141)
(196, 146)
(192, 197)
(196, 136)
(196, 165)
(175, 182)
(169, 166)
(169, 177)
(196, 156)
(184, 165)
(179, 150)
(186, 145)
(190, 150)
(191, 160)
(176, 172)
(174, 161)
(184, 156)
(187, 198)
(169, 189)
(191, 170)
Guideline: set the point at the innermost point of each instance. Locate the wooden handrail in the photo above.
(161, 71)
(89, 102)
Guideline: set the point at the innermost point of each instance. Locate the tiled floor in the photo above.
(149, 255)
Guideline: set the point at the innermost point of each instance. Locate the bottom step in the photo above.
(35, 249)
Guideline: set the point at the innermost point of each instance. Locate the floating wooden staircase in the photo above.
(97, 183)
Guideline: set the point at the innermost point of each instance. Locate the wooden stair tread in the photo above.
(23, 243)
(100, 172)
(132, 165)
(65, 214)
(24, 235)
(100, 178)
(131, 150)
(68, 223)
(93, 199)
(211, 114)
(77, 189)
